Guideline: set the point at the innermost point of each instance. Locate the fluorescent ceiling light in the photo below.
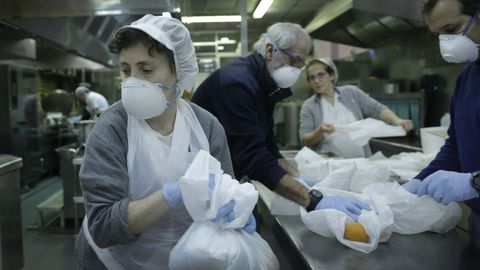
(220, 48)
(204, 43)
(213, 43)
(108, 12)
(211, 19)
(166, 14)
(227, 41)
(262, 7)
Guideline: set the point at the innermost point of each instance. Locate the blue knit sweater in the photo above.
(461, 151)
(242, 95)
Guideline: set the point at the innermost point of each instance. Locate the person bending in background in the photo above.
(243, 94)
(140, 148)
(454, 174)
(94, 102)
(332, 105)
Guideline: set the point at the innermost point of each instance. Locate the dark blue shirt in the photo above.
(242, 95)
(461, 152)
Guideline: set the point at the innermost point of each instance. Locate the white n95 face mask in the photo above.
(459, 48)
(143, 99)
(286, 75)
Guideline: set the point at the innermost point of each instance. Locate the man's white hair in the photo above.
(284, 35)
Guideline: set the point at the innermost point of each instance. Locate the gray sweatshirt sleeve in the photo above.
(307, 119)
(104, 182)
(369, 106)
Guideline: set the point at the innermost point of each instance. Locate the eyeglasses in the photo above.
(295, 60)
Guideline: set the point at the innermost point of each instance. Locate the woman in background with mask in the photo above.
(139, 149)
(332, 105)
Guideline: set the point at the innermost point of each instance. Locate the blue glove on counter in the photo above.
(308, 181)
(446, 187)
(412, 185)
(350, 206)
(172, 194)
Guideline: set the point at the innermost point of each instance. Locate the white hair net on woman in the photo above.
(329, 63)
(175, 36)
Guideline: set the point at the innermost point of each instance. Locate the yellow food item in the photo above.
(355, 232)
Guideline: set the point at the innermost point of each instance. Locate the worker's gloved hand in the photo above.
(350, 206)
(446, 187)
(308, 181)
(172, 193)
(412, 185)
(251, 224)
(226, 212)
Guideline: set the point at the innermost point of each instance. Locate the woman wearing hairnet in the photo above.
(332, 105)
(139, 149)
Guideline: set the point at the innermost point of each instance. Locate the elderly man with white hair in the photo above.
(243, 94)
(95, 102)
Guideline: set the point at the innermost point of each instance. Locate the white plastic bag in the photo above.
(363, 130)
(221, 245)
(395, 210)
(331, 223)
(413, 214)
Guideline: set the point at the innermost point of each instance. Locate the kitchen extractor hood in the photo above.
(81, 28)
(366, 23)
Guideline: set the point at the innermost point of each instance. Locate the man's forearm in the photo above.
(288, 167)
(293, 190)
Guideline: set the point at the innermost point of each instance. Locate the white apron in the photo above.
(339, 143)
(151, 163)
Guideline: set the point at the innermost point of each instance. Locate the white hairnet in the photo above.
(175, 36)
(81, 90)
(329, 63)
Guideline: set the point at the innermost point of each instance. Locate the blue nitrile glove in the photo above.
(172, 193)
(350, 206)
(446, 187)
(227, 212)
(308, 181)
(251, 224)
(412, 185)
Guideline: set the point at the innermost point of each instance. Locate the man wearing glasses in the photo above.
(243, 94)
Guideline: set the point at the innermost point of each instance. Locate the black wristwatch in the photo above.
(475, 180)
(315, 197)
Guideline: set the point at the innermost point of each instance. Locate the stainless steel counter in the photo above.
(393, 146)
(11, 237)
(307, 250)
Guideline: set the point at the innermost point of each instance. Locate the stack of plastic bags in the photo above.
(220, 245)
(393, 208)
